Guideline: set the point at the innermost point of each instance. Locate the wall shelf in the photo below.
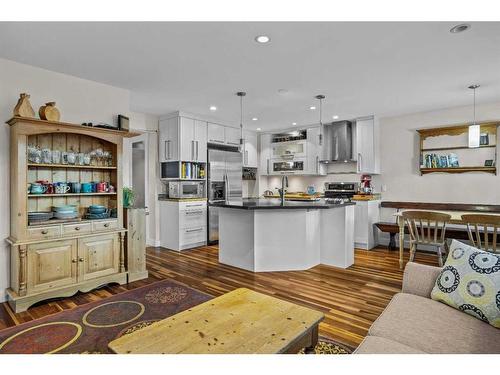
(459, 170)
(456, 148)
(69, 166)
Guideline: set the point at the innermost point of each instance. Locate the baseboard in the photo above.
(151, 242)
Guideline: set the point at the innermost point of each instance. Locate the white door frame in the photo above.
(144, 138)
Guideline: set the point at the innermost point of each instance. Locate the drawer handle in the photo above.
(196, 212)
(194, 205)
(106, 225)
(45, 231)
(77, 228)
(194, 230)
(80, 260)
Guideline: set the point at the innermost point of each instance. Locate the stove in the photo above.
(340, 192)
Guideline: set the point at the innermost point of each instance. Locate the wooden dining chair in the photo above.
(490, 225)
(427, 228)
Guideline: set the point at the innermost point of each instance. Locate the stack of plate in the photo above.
(36, 217)
(96, 211)
(65, 212)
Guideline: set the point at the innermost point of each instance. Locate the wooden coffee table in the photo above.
(242, 321)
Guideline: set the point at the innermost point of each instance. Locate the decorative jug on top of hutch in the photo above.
(49, 112)
(23, 107)
(58, 257)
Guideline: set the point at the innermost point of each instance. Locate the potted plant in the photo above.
(128, 197)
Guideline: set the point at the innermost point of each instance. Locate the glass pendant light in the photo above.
(474, 129)
(320, 98)
(241, 94)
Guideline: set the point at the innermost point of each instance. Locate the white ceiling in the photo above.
(362, 68)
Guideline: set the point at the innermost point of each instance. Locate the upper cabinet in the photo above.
(250, 158)
(367, 145)
(216, 133)
(265, 154)
(232, 136)
(183, 139)
(314, 151)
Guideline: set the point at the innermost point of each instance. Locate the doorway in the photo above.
(139, 172)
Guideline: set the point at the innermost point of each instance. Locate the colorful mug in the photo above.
(38, 189)
(62, 189)
(87, 187)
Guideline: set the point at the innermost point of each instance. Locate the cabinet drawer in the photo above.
(194, 205)
(104, 225)
(76, 228)
(44, 232)
(192, 218)
(192, 235)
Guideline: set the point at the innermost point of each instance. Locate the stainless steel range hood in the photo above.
(337, 142)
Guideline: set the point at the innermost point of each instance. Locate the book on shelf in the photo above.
(441, 161)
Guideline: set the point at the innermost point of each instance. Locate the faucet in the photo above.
(284, 184)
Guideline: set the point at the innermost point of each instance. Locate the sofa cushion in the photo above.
(380, 345)
(434, 327)
(470, 282)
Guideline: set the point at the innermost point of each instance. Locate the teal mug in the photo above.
(87, 187)
(38, 189)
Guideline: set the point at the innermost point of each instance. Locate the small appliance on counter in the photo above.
(340, 192)
(186, 189)
(366, 184)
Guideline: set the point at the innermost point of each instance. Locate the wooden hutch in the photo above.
(61, 257)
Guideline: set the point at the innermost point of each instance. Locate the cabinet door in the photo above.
(215, 133)
(163, 138)
(51, 265)
(314, 150)
(250, 149)
(365, 142)
(168, 146)
(98, 256)
(200, 138)
(232, 136)
(186, 139)
(265, 154)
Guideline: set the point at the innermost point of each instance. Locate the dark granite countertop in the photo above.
(270, 203)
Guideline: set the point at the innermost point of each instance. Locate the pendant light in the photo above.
(474, 129)
(320, 98)
(241, 94)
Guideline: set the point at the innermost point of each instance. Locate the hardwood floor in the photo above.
(351, 299)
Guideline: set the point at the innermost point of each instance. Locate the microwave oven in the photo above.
(288, 166)
(186, 189)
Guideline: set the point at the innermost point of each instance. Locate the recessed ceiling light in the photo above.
(294, 123)
(312, 108)
(282, 91)
(460, 28)
(213, 108)
(259, 129)
(262, 39)
(254, 119)
(335, 117)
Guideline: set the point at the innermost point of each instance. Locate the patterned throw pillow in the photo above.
(470, 282)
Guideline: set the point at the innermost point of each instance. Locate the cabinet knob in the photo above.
(74, 260)
(80, 259)
(77, 228)
(45, 231)
(106, 225)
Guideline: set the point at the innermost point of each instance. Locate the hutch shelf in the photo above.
(61, 257)
(446, 149)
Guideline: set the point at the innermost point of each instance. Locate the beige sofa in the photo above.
(413, 323)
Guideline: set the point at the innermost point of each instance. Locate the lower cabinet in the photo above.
(365, 233)
(51, 265)
(98, 256)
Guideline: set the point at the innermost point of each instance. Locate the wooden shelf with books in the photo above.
(446, 150)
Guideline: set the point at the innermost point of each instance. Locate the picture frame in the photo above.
(123, 123)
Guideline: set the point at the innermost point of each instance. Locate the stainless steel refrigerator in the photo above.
(224, 184)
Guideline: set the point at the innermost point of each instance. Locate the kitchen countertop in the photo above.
(270, 203)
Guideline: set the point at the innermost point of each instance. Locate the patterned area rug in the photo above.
(89, 328)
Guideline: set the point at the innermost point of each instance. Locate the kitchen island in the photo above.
(268, 235)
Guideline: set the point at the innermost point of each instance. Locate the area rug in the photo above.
(89, 328)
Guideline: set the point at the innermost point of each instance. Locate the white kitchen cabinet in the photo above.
(314, 151)
(182, 138)
(250, 155)
(215, 133)
(232, 136)
(265, 154)
(367, 145)
(366, 215)
(168, 147)
(183, 225)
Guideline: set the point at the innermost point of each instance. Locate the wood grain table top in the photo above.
(241, 321)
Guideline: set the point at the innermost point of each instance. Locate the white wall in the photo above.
(78, 100)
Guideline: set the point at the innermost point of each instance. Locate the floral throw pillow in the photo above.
(470, 282)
